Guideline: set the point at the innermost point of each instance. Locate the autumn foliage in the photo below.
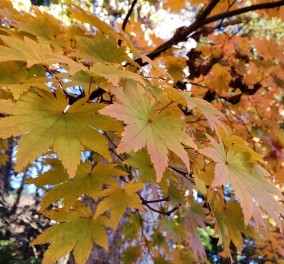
(190, 139)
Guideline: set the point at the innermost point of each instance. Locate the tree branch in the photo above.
(244, 10)
(146, 203)
(207, 10)
(181, 35)
(155, 201)
(128, 15)
(127, 18)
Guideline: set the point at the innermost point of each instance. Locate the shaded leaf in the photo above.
(87, 181)
(118, 199)
(77, 233)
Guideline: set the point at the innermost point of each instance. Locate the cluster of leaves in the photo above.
(113, 131)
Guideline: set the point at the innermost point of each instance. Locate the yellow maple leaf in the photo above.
(87, 181)
(25, 49)
(46, 120)
(229, 227)
(118, 199)
(219, 79)
(100, 48)
(78, 232)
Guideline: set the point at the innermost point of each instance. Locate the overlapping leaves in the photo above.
(87, 181)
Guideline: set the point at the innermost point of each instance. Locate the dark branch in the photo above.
(207, 10)
(128, 15)
(198, 23)
(181, 35)
(127, 18)
(243, 10)
(18, 195)
(146, 203)
(162, 212)
(156, 201)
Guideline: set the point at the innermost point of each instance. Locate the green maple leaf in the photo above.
(45, 121)
(141, 160)
(87, 181)
(18, 79)
(78, 232)
(132, 254)
(56, 175)
(158, 131)
(101, 48)
(89, 18)
(118, 199)
(247, 179)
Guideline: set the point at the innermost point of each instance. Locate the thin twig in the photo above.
(156, 201)
(128, 15)
(168, 213)
(127, 18)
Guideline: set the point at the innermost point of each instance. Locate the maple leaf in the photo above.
(238, 144)
(18, 79)
(158, 131)
(248, 180)
(141, 160)
(78, 232)
(207, 109)
(101, 48)
(45, 122)
(220, 78)
(229, 227)
(109, 71)
(197, 246)
(87, 17)
(87, 181)
(24, 49)
(195, 216)
(118, 199)
(114, 72)
(55, 175)
(132, 254)
(174, 229)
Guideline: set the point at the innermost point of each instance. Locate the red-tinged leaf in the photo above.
(197, 246)
(207, 109)
(158, 131)
(248, 180)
